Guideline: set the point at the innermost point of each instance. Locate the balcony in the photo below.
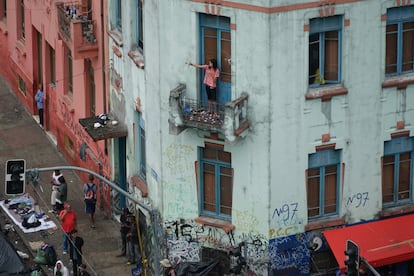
(229, 120)
(77, 30)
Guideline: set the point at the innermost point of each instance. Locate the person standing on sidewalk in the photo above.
(67, 218)
(125, 227)
(89, 191)
(63, 192)
(39, 100)
(55, 189)
(75, 251)
(133, 242)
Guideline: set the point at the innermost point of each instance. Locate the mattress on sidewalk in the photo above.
(45, 223)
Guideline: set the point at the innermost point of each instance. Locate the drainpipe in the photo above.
(103, 54)
(103, 27)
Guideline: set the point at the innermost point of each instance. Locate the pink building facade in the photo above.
(62, 46)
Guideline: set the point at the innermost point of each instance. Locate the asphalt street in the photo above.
(21, 137)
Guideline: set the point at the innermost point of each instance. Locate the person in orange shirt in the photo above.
(210, 81)
(67, 218)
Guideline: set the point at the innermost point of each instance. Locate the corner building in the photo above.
(311, 143)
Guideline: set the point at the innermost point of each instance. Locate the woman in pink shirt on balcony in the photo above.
(210, 80)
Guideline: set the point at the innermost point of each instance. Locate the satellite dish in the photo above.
(317, 242)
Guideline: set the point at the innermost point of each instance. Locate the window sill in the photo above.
(137, 58)
(116, 37)
(394, 211)
(213, 222)
(325, 93)
(140, 183)
(400, 82)
(319, 224)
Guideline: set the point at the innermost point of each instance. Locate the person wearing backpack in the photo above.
(89, 191)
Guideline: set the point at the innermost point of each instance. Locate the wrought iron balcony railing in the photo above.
(229, 119)
(77, 30)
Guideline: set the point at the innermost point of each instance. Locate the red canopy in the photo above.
(381, 242)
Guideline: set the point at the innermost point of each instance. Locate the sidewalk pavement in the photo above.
(21, 137)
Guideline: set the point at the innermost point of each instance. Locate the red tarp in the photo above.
(381, 242)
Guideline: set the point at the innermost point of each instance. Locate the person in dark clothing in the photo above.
(63, 194)
(82, 270)
(125, 227)
(75, 250)
(132, 236)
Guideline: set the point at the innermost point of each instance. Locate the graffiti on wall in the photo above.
(245, 221)
(76, 128)
(185, 238)
(358, 200)
(290, 253)
(179, 201)
(180, 160)
(190, 231)
(257, 252)
(183, 251)
(285, 220)
(287, 213)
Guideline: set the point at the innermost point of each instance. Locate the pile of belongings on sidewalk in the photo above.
(46, 255)
(23, 208)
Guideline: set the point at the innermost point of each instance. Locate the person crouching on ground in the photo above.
(60, 269)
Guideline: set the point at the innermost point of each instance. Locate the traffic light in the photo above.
(15, 177)
(352, 258)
